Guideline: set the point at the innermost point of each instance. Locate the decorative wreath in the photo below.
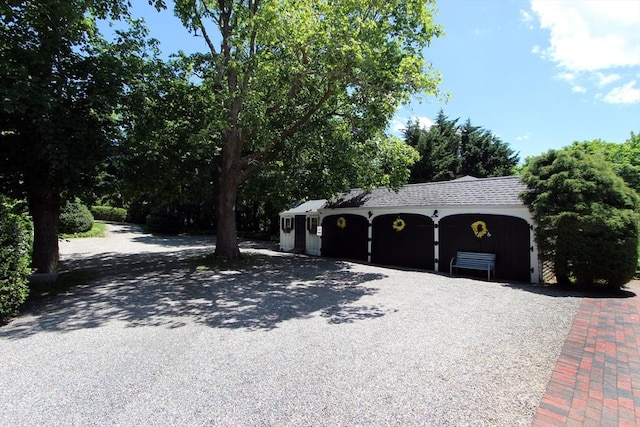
(480, 229)
(399, 224)
(342, 223)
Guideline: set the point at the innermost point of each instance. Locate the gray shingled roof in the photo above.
(310, 206)
(467, 191)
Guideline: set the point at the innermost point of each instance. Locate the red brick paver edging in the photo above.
(596, 380)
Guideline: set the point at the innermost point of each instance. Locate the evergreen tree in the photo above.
(587, 217)
(445, 139)
(449, 150)
(417, 137)
(484, 154)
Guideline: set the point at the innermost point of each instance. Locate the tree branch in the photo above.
(207, 39)
(249, 163)
(307, 116)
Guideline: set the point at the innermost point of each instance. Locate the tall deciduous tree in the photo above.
(280, 67)
(60, 83)
(625, 157)
(165, 161)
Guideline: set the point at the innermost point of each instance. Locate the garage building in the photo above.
(423, 226)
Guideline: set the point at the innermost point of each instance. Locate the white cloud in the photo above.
(571, 78)
(425, 122)
(399, 124)
(606, 79)
(594, 44)
(627, 94)
(578, 89)
(567, 77)
(527, 136)
(590, 35)
(526, 18)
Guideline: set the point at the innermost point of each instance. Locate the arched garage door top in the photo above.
(404, 240)
(345, 236)
(506, 236)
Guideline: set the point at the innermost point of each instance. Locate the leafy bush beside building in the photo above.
(15, 258)
(587, 217)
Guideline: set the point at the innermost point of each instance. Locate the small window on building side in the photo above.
(287, 224)
(312, 225)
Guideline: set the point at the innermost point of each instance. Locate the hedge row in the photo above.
(108, 213)
(15, 258)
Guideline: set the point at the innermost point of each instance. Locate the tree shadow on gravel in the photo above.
(553, 290)
(168, 290)
(185, 240)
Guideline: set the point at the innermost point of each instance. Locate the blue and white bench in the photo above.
(474, 261)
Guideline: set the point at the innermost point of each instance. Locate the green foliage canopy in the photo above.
(60, 87)
(75, 217)
(625, 157)
(15, 248)
(449, 150)
(281, 67)
(165, 160)
(587, 217)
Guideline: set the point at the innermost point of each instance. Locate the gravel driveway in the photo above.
(291, 340)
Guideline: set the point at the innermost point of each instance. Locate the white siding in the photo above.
(288, 239)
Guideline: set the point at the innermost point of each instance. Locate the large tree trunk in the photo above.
(45, 211)
(229, 178)
(226, 229)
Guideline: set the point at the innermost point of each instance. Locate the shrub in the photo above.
(15, 257)
(599, 249)
(75, 218)
(108, 213)
(587, 218)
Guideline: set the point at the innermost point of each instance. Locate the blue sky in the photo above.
(540, 74)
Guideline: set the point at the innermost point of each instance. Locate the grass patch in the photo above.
(212, 262)
(97, 230)
(64, 283)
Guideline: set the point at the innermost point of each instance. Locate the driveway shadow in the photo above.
(553, 290)
(165, 289)
(183, 240)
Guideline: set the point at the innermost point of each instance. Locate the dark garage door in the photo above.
(505, 236)
(404, 240)
(345, 236)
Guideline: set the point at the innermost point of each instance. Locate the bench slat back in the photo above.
(476, 258)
